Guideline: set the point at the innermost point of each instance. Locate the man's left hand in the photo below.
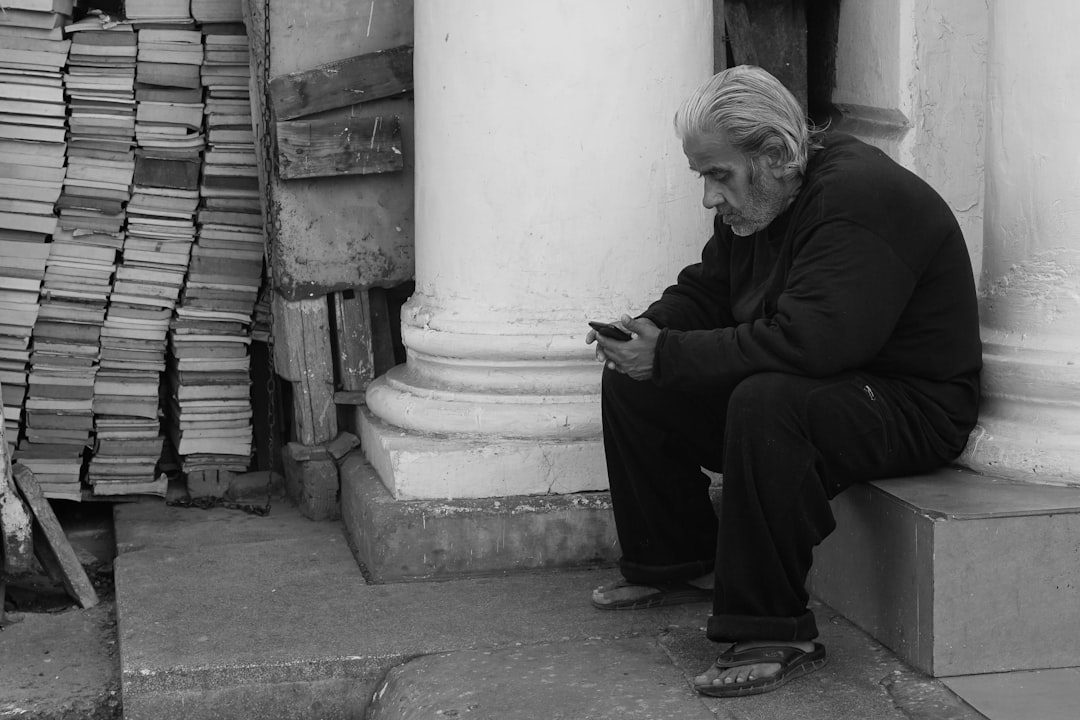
(632, 357)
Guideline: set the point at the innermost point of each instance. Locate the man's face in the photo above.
(747, 201)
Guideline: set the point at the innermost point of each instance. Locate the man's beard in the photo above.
(768, 198)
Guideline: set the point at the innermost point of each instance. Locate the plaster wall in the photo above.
(911, 79)
(353, 230)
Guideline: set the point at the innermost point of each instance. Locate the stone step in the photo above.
(958, 573)
(403, 540)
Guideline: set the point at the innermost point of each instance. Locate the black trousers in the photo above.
(786, 445)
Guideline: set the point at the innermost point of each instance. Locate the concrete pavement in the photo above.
(227, 615)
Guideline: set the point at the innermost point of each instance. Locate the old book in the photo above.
(160, 172)
(79, 333)
(31, 19)
(64, 7)
(186, 114)
(150, 93)
(170, 53)
(16, 31)
(44, 224)
(168, 74)
(135, 406)
(129, 447)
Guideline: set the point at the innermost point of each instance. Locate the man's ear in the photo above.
(774, 163)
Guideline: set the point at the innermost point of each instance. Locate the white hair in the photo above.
(754, 112)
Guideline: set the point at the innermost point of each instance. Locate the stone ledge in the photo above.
(956, 572)
(423, 539)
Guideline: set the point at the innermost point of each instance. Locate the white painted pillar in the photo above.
(550, 190)
(1030, 421)
(911, 79)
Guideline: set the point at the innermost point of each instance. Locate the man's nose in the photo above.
(712, 197)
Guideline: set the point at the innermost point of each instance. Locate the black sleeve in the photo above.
(844, 293)
(700, 297)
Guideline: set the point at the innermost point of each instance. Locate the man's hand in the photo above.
(632, 357)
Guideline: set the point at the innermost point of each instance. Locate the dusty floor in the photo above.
(59, 661)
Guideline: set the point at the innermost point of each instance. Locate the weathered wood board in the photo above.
(358, 79)
(346, 231)
(348, 145)
(303, 356)
(352, 324)
(53, 547)
(772, 35)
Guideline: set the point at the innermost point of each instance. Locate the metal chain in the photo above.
(272, 226)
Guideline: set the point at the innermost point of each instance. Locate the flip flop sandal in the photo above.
(793, 663)
(659, 595)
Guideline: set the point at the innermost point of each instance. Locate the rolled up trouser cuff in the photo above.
(650, 574)
(743, 628)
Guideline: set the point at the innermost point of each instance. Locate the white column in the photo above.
(1030, 422)
(911, 79)
(550, 190)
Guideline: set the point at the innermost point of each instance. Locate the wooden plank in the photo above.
(357, 79)
(719, 37)
(311, 481)
(352, 321)
(16, 524)
(772, 35)
(56, 549)
(329, 147)
(739, 33)
(303, 355)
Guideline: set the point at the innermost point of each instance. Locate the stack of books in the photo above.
(169, 118)
(32, 113)
(209, 371)
(63, 359)
(160, 231)
(99, 83)
(33, 130)
(56, 470)
(126, 457)
(22, 267)
(211, 402)
(230, 181)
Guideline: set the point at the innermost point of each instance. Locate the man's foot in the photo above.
(622, 595)
(750, 668)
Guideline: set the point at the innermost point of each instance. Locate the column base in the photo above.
(419, 465)
(402, 540)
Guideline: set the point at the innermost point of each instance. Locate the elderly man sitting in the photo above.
(828, 336)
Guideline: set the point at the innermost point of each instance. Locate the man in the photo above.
(828, 336)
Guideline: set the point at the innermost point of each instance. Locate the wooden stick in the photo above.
(56, 546)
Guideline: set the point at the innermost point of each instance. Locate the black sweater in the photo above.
(866, 271)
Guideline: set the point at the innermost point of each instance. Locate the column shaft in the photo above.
(1030, 421)
(550, 190)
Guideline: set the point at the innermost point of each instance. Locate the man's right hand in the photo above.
(632, 357)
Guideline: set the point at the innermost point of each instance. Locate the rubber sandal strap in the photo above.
(759, 655)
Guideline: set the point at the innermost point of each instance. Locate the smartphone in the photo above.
(609, 330)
